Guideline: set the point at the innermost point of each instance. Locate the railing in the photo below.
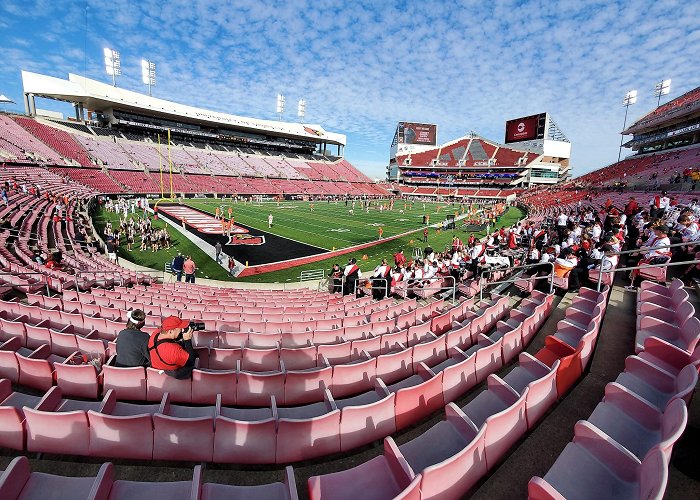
(549, 276)
(44, 279)
(439, 288)
(372, 280)
(643, 266)
(311, 275)
(113, 276)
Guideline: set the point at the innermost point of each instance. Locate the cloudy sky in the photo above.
(362, 66)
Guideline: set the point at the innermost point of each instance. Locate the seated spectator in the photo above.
(656, 252)
(564, 264)
(170, 348)
(54, 261)
(132, 342)
(381, 280)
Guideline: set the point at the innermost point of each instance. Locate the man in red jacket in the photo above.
(170, 348)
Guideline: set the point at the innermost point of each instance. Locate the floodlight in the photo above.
(280, 103)
(148, 73)
(630, 98)
(112, 64)
(301, 108)
(662, 88)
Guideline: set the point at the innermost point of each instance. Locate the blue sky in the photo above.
(362, 66)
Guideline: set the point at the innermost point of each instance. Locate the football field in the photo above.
(331, 225)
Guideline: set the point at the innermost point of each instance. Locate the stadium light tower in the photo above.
(148, 73)
(280, 105)
(301, 109)
(113, 64)
(662, 88)
(630, 98)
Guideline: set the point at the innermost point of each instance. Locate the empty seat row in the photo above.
(623, 449)
(335, 426)
(18, 482)
(453, 455)
(448, 459)
(667, 314)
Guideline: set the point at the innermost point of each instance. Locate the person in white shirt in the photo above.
(657, 251)
(562, 220)
(380, 280)
(352, 273)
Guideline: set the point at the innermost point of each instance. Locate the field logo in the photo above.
(245, 239)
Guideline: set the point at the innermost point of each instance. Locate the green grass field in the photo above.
(157, 260)
(329, 226)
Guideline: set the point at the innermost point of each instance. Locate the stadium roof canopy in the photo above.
(674, 111)
(98, 96)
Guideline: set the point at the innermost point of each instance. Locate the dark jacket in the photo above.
(178, 262)
(132, 348)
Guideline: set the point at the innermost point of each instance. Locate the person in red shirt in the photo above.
(170, 348)
(189, 267)
(399, 258)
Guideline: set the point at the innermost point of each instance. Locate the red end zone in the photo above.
(206, 224)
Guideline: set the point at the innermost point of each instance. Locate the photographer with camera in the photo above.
(170, 347)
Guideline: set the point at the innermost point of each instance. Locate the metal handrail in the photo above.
(644, 266)
(513, 280)
(79, 274)
(44, 280)
(386, 289)
(435, 278)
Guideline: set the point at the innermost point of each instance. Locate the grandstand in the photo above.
(123, 142)
(475, 167)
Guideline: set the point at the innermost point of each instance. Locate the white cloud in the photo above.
(362, 66)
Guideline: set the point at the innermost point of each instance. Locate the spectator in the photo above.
(177, 266)
(189, 267)
(380, 280)
(352, 273)
(231, 266)
(132, 342)
(217, 249)
(54, 261)
(335, 278)
(399, 258)
(657, 252)
(170, 348)
(111, 249)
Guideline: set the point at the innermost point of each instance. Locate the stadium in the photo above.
(178, 319)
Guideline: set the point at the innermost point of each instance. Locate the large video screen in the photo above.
(417, 133)
(527, 128)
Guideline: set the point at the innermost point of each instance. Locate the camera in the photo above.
(196, 326)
